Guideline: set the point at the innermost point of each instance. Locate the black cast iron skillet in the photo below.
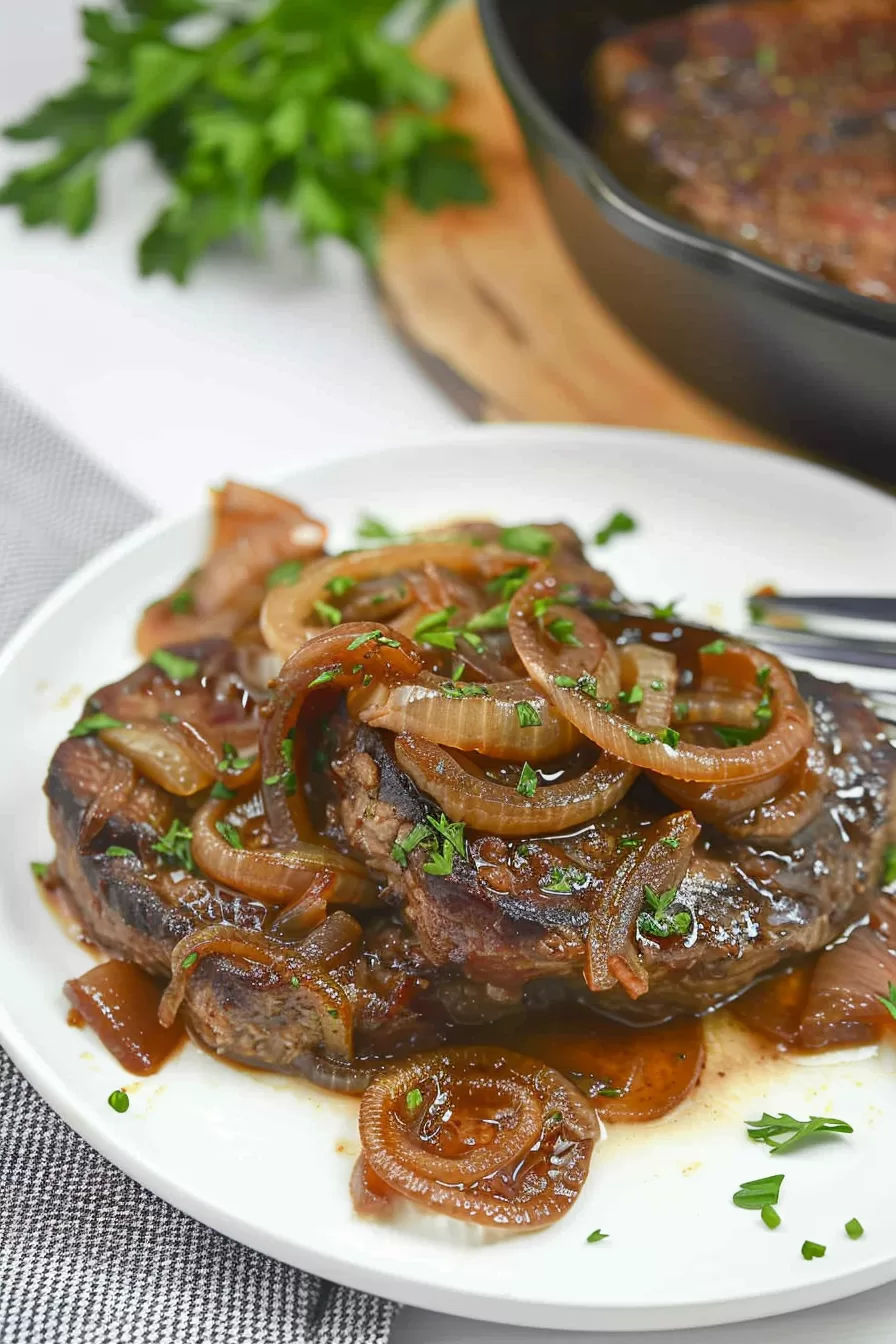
(803, 358)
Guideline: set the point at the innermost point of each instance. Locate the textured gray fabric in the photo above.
(87, 1256)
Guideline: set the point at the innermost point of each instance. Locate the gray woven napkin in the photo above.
(87, 1256)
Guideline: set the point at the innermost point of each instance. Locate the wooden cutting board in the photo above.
(491, 304)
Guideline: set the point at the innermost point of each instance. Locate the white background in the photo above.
(254, 369)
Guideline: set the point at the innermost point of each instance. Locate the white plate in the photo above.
(267, 1160)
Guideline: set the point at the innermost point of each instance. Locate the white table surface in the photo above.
(169, 388)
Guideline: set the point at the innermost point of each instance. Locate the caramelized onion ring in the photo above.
(486, 723)
(275, 876)
(611, 954)
(287, 613)
(329, 998)
(160, 752)
(527, 1176)
(788, 733)
(499, 808)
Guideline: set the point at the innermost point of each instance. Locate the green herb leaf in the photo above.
(812, 1250)
(462, 691)
(669, 842)
(94, 723)
(563, 881)
(402, 848)
(189, 960)
(566, 683)
(169, 718)
(666, 613)
(629, 842)
(340, 584)
(528, 781)
(222, 792)
(889, 1002)
(637, 735)
(670, 737)
(119, 1101)
(120, 852)
(40, 870)
(529, 539)
(414, 1099)
(329, 673)
(328, 614)
(888, 876)
(759, 1194)
(783, 1133)
(182, 603)
(854, 1229)
(174, 666)
(507, 584)
(373, 529)
(618, 524)
(716, 646)
(527, 714)
(232, 760)
(285, 575)
(633, 696)
(657, 921)
(493, 619)
(230, 834)
(597, 1236)
(563, 631)
(452, 832)
(766, 58)
(737, 737)
(175, 847)
(771, 1217)
(763, 675)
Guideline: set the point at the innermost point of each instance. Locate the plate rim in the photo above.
(453, 1300)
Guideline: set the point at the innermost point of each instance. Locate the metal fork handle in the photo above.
(827, 648)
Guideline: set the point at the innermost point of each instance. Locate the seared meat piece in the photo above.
(514, 914)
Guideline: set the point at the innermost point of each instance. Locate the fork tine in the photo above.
(855, 608)
(828, 648)
(883, 703)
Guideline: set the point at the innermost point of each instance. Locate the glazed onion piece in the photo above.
(276, 876)
(330, 661)
(843, 1006)
(287, 615)
(533, 1149)
(660, 863)
(499, 808)
(487, 721)
(111, 798)
(159, 751)
(735, 711)
(792, 806)
(789, 730)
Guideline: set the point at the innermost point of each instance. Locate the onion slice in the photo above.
(538, 1144)
(592, 711)
(843, 1006)
(660, 863)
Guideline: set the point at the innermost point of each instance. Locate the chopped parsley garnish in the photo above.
(507, 584)
(666, 613)
(287, 776)
(435, 620)
(888, 1001)
(783, 1133)
(737, 737)
(812, 1250)
(563, 881)
(629, 841)
(669, 841)
(619, 523)
(379, 635)
(609, 1091)
(529, 539)
(451, 835)
(94, 723)
(759, 1194)
(888, 876)
(414, 1099)
(340, 584)
(527, 714)
(189, 960)
(657, 685)
(174, 846)
(182, 603)
(763, 675)
(597, 1235)
(169, 718)
(452, 832)
(120, 852)
(493, 619)
(716, 646)
(230, 834)
(766, 58)
(373, 529)
(328, 614)
(231, 758)
(770, 1216)
(632, 697)
(358, 667)
(221, 791)
(680, 709)
(119, 1101)
(40, 870)
(329, 673)
(462, 691)
(567, 683)
(174, 666)
(854, 1229)
(367, 679)
(472, 639)
(670, 737)
(528, 781)
(637, 735)
(457, 671)
(542, 605)
(285, 575)
(295, 981)
(563, 631)
(440, 863)
(402, 848)
(657, 921)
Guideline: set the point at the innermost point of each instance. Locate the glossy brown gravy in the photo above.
(120, 1002)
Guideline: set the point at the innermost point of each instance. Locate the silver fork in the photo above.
(833, 630)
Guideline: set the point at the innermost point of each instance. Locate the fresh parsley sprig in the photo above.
(308, 106)
(783, 1132)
